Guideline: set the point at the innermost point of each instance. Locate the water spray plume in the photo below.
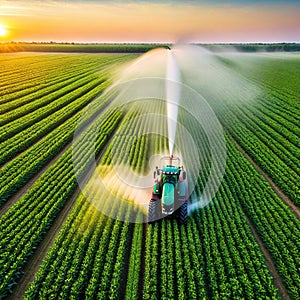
(172, 97)
(149, 93)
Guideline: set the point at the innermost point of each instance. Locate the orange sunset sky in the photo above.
(150, 21)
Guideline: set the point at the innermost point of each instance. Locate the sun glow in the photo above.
(3, 30)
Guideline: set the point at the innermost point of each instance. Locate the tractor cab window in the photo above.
(170, 177)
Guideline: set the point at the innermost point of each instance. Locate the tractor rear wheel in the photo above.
(183, 213)
(154, 211)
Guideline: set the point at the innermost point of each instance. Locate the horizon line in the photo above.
(143, 43)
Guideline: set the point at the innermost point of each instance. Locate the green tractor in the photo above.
(170, 192)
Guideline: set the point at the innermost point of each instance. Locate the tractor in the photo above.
(170, 191)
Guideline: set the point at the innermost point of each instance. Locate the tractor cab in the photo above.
(170, 174)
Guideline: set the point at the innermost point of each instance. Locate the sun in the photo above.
(3, 30)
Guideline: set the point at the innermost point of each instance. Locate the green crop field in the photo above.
(54, 244)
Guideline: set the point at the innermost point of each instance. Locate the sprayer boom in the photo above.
(169, 161)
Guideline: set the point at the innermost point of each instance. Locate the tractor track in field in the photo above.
(269, 262)
(127, 261)
(21, 191)
(35, 260)
(143, 261)
(273, 185)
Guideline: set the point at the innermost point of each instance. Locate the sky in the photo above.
(150, 21)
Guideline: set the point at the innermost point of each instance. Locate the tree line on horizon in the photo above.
(137, 48)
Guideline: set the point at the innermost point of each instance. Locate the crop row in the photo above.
(249, 113)
(18, 171)
(227, 270)
(265, 210)
(22, 118)
(24, 139)
(276, 224)
(277, 158)
(281, 131)
(278, 75)
(282, 175)
(272, 212)
(32, 215)
(206, 259)
(12, 69)
(89, 256)
(280, 145)
(133, 283)
(214, 256)
(99, 272)
(21, 86)
(63, 68)
(24, 105)
(222, 258)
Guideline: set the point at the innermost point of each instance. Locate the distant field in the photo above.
(138, 48)
(55, 245)
(86, 48)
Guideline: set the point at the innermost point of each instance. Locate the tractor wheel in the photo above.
(183, 213)
(154, 211)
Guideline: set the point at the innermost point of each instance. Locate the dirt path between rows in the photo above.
(35, 260)
(276, 189)
(270, 263)
(13, 199)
